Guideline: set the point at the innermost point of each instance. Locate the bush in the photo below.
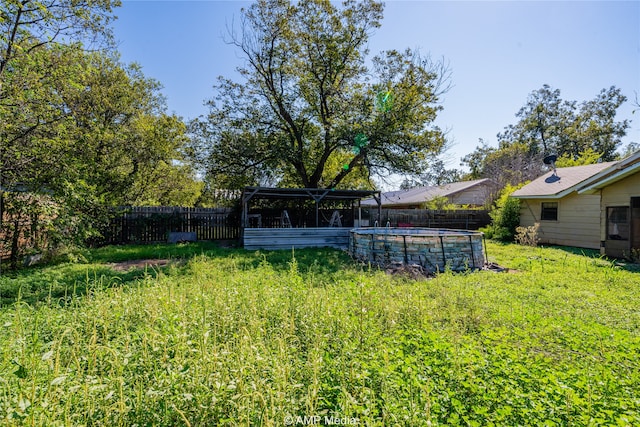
(506, 216)
(527, 236)
(439, 203)
(27, 219)
(487, 231)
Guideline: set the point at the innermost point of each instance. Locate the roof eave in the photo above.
(608, 180)
(538, 196)
(559, 195)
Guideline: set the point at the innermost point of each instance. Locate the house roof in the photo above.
(563, 182)
(615, 173)
(415, 196)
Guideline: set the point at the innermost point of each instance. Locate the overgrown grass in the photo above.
(229, 337)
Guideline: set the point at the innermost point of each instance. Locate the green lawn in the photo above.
(229, 337)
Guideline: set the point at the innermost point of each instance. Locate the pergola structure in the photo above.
(318, 195)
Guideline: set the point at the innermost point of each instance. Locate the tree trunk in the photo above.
(15, 247)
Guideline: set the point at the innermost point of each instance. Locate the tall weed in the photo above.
(239, 338)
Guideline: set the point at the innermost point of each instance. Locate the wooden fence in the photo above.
(298, 217)
(471, 219)
(463, 219)
(153, 224)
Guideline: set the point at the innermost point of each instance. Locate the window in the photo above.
(618, 223)
(549, 211)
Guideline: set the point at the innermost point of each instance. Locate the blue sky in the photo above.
(498, 53)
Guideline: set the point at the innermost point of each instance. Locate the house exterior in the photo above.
(593, 206)
(618, 190)
(565, 217)
(474, 193)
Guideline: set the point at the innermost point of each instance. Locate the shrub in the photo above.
(527, 236)
(439, 203)
(488, 231)
(27, 219)
(506, 216)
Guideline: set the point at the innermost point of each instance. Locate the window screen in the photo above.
(618, 223)
(549, 211)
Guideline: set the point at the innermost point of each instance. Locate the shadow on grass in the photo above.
(595, 254)
(113, 254)
(61, 283)
(318, 259)
(592, 254)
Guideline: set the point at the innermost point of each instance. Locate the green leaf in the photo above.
(21, 372)
(58, 380)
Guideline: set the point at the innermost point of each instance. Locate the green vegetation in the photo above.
(305, 110)
(81, 130)
(505, 217)
(439, 203)
(579, 133)
(229, 337)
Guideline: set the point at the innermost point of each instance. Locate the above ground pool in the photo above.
(433, 249)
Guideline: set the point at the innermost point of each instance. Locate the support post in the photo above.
(444, 256)
(473, 256)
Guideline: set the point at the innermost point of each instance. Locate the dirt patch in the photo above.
(413, 271)
(139, 264)
(418, 272)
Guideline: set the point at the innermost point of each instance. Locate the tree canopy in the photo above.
(548, 124)
(577, 133)
(309, 110)
(79, 130)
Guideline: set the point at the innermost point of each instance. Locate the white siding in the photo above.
(578, 221)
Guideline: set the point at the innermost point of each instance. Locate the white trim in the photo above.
(558, 196)
(601, 182)
(545, 197)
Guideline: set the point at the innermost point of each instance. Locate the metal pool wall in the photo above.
(433, 249)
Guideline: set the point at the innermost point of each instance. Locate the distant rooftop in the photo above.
(415, 196)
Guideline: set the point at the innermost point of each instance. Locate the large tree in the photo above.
(90, 133)
(28, 25)
(71, 113)
(76, 125)
(85, 119)
(309, 112)
(577, 133)
(548, 124)
(38, 43)
(119, 130)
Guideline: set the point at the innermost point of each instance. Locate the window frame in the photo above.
(622, 220)
(545, 211)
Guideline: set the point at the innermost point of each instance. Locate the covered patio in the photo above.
(289, 234)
